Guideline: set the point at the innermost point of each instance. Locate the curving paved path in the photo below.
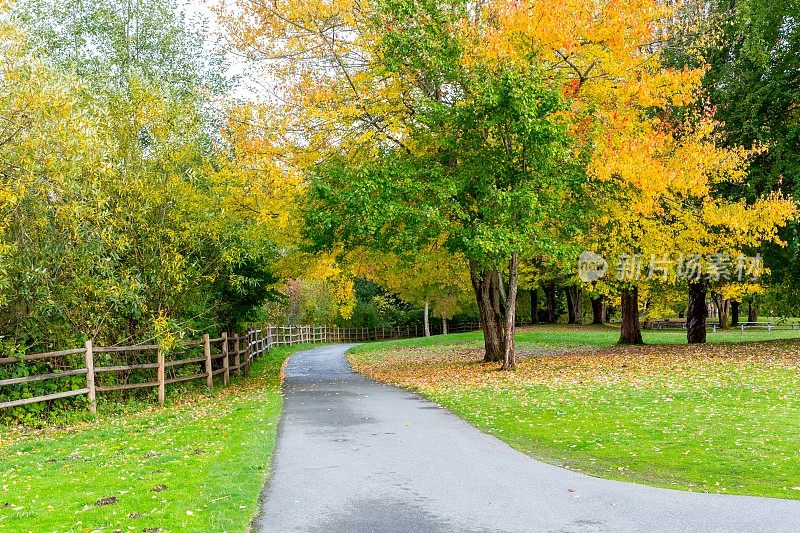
(356, 455)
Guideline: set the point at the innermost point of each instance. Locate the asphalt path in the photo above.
(357, 455)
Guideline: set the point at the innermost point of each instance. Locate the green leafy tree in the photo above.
(126, 207)
(483, 168)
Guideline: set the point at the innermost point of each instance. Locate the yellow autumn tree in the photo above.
(654, 161)
(434, 279)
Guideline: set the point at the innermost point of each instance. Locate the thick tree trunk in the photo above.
(723, 310)
(485, 284)
(734, 313)
(570, 306)
(534, 306)
(598, 310)
(550, 302)
(444, 326)
(696, 313)
(509, 351)
(752, 312)
(426, 319)
(574, 304)
(630, 331)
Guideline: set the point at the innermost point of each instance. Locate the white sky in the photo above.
(204, 9)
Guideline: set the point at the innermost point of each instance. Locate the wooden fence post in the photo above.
(90, 376)
(247, 351)
(209, 371)
(161, 377)
(237, 359)
(226, 363)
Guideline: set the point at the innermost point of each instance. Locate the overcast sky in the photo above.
(194, 9)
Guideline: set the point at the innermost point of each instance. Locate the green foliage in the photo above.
(753, 50)
(117, 200)
(118, 212)
(483, 169)
(465, 187)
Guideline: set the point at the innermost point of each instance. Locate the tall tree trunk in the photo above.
(598, 310)
(752, 311)
(571, 317)
(550, 302)
(444, 326)
(696, 313)
(534, 306)
(509, 352)
(724, 314)
(734, 313)
(723, 309)
(426, 319)
(487, 295)
(630, 332)
(574, 304)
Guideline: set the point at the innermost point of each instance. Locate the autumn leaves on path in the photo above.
(357, 455)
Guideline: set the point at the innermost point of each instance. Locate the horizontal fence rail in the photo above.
(221, 356)
(742, 326)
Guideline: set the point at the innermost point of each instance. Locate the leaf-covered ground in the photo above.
(198, 466)
(723, 417)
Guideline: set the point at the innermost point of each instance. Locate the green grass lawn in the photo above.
(719, 418)
(195, 466)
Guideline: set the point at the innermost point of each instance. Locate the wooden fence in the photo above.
(227, 353)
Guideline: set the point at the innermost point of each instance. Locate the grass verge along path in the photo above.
(199, 466)
(723, 417)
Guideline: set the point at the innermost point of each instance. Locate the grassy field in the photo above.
(724, 417)
(196, 466)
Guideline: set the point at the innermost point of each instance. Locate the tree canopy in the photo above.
(442, 149)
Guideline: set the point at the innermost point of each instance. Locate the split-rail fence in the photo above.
(221, 355)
